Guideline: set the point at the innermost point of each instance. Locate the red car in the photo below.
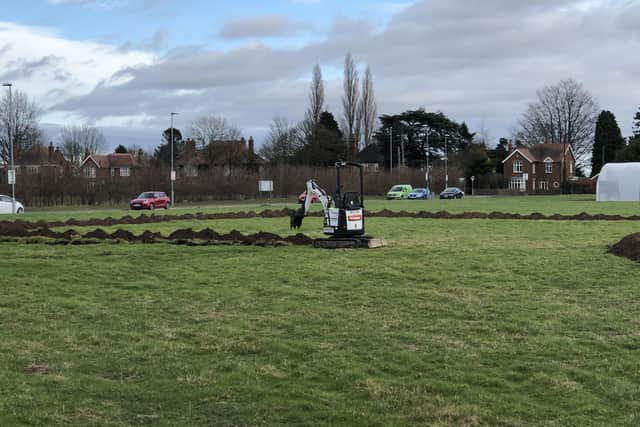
(303, 196)
(150, 200)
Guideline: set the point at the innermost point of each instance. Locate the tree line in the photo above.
(563, 113)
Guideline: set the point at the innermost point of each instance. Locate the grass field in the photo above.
(548, 205)
(455, 322)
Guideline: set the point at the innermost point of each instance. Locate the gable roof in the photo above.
(539, 152)
(42, 155)
(113, 160)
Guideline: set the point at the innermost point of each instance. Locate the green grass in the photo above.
(548, 205)
(455, 322)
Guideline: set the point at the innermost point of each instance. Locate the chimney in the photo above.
(244, 142)
(140, 155)
(509, 147)
(50, 152)
(190, 145)
(251, 152)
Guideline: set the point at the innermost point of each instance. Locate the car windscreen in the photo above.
(419, 190)
(396, 188)
(450, 190)
(146, 196)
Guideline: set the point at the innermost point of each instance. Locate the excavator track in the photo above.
(348, 243)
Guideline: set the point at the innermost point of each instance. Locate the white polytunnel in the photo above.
(619, 182)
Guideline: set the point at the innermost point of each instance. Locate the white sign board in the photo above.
(11, 176)
(173, 175)
(265, 185)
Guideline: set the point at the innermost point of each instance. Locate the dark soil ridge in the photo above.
(385, 213)
(628, 247)
(181, 236)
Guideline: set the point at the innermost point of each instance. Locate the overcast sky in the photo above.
(124, 65)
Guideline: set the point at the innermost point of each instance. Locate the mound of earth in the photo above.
(628, 247)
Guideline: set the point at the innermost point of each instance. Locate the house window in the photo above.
(125, 172)
(517, 166)
(556, 184)
(191, 170)
(32, 170)
(543, 185)
(548, 166)
(89, 172)
(570, 168)
(534, 168)
(517, 184)
(113, 171)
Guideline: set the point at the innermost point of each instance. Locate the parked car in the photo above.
(452, 193)
(420, 193)
(400, 191)
(6, 205)
(150, 200)
(303, 196)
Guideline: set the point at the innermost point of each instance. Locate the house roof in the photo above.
(540, 152)
(41, 155)
(370, 154)
(113, 160)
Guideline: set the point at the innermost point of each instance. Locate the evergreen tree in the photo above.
(326, 146)
(607, 142)
(162, 153)
(121, 149)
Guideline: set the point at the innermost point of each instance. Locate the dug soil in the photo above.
(628, 247)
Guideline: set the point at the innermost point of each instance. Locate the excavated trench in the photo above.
(385, 213)
(186, 236)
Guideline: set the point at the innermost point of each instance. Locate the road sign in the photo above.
(11, 176)
(473, 178)
(173, 175)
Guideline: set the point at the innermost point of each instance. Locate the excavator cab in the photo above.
(344, 221)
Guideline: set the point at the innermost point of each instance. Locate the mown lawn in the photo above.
(548, 205)
(455, 322)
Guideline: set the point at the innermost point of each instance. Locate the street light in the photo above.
(12, 171)
(446, 160)
(391, 151)
(173, 172)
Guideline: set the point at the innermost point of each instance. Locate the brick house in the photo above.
(98, 167)
(539, 169)
(42, 161)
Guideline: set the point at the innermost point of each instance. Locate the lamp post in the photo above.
(446, 160)
(428, 183)
(391, 151)
(173, 172)
(12, 172)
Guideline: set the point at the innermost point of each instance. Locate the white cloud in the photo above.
(51, 69)
(102, 4)
(480, 62)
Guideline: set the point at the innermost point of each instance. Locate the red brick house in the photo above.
(539, 169)
(98, 167)
(42, 161)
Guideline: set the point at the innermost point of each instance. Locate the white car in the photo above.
(6, 205)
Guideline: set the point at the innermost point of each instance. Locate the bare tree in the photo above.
(78, 142)
(208, 129)
(350, 104)
(367, 110)
(565, 113)
(316, 104)
(19, 120)
(282, 142)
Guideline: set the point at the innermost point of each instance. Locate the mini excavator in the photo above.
(344, 214)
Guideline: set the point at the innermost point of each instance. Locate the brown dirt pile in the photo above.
(628, 247)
